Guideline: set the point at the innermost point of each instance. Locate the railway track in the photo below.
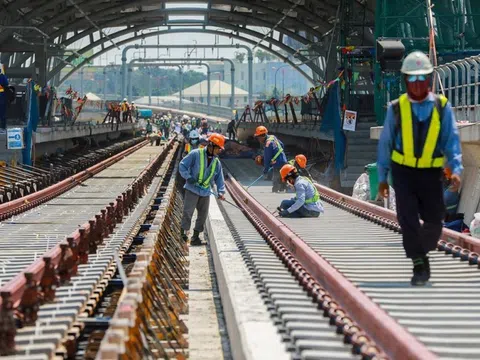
(343, 279)
(71, 235)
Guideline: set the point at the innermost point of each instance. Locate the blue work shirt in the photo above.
(269, 152)
(448, 140)
(305, 190)
(190, 167)
(3, 83)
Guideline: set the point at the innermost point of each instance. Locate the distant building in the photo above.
(220, 93)
(288, 79)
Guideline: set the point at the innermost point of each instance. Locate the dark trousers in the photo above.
(191, 202)
(300, 213)
(166, 132)
(419, 194)
(231, 135)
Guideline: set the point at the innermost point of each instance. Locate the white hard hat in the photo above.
(194, 134)
(417, 63)
(133, 102)
(125, 99)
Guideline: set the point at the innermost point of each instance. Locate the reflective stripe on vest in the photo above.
(206, 184)
(406, 123)
(315, 197)
(292, 162)
(280, 149)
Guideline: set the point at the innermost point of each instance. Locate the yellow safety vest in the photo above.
(315, 197)
(406, 155)
(201, 182)
(279, 147)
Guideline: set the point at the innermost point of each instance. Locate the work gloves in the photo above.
(283, 213)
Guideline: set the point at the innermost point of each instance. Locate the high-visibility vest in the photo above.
(2, 89)
(406, 154)
(279, 147)
(188, 148)
(201, 182)
(315, 197)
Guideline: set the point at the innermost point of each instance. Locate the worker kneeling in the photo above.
(307, 202)
(201, 168)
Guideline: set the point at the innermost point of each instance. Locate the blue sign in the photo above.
(15, 139)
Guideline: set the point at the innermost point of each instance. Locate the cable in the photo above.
(93, 23)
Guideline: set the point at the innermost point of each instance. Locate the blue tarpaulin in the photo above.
(332, 124)
(32, 123)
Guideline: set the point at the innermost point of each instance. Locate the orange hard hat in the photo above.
(301, 160)
(261, 130)
(259, 160)
(287, 170)
(218, 140)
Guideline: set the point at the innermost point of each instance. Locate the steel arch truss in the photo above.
(305, 22)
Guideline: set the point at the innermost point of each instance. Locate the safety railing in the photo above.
(459, 80)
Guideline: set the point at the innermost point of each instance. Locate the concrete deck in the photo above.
(251, 330)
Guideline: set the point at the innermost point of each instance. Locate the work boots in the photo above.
(196, 239)
(421, 271)
(183, 235)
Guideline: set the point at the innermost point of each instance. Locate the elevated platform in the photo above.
(51, 139)
(470, 138)
(307, 130)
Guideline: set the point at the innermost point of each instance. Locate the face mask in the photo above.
(194, 142)
(418, 87)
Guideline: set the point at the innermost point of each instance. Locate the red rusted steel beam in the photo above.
(16, 286)
(457, 238)
(394, 340)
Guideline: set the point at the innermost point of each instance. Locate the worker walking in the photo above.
(273, 156)
(201, 168)
(307, 201)
(300, 163)
(193, 142)
(419, 132)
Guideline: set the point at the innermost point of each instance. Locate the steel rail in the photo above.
(28, 202)
(460, 245)
(389, 336)
(66, 256)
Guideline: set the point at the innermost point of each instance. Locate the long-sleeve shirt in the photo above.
(270, 151)
(190, 167)
(448, 140)
(305, 190)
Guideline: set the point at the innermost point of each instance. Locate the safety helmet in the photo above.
(286, 171)
(194, 134)
(417, 63)
(261, 130)
(218, 140)
(125, 100)
(259, 160)
(133, 102)
(301, 160)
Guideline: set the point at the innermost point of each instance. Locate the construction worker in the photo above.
(273, 156)
(419, 132)
(125, 108)
(300, 163)
(201, 168)
(307, 202)
(193, 142)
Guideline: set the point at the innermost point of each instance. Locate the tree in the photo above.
(261, 55)
(240, 57)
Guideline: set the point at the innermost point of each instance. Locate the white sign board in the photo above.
(15, 139)
(350, 120)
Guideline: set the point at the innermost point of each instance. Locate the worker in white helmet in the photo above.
(419, 132)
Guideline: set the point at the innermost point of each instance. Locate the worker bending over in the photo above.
(201, 168)
(273, 156)
(193, 142)
(307, 202)
(419, 132)
(300, 163)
